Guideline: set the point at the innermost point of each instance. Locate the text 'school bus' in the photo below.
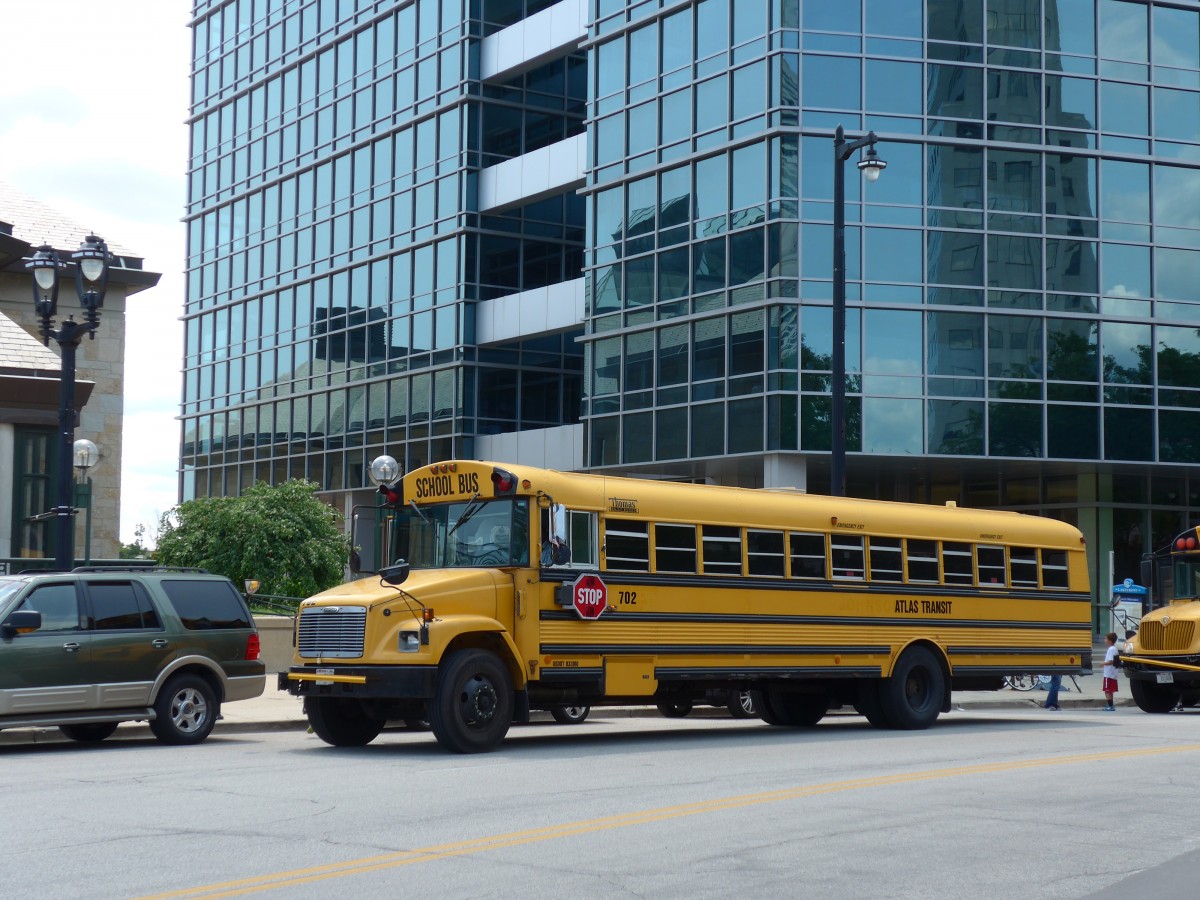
(1162, 660)
(515, 588)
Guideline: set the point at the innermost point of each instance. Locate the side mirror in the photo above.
(21, 620)
(355, 562)
(396, 573)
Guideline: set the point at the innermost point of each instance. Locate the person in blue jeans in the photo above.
(1052, 695)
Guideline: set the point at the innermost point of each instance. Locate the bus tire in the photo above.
(1151, 698)
(762, 707)
(912, 698)
(473, 708)
(674, 709)
(570, 715)
(341, 721)
(793, 710)
(741, 705)
(868, 704)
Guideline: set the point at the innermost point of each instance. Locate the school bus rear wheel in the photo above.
(912, 697)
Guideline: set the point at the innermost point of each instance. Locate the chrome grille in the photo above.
(332, 632)
(1175, 637)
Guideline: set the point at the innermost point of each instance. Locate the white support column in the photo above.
(785, 470)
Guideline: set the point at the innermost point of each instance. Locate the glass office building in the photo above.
(598, 234)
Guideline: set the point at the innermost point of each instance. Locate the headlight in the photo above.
(1128, 648)
(410, 642)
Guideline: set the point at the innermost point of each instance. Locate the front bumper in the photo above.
(366, 682)
(1185, 670)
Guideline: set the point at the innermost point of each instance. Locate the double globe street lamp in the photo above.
(91, 281)
(871, 166)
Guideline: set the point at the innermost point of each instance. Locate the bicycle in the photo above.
(1021, 682)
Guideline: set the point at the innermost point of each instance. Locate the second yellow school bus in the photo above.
(514, 588)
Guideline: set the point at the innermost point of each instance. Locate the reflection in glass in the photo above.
(1071, 350)
(1126, 351)
(956, 427)
(892, 425)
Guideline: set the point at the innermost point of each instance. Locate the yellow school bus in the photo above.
(512, 589)
(1162, 660)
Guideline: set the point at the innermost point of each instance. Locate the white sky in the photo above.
(93, 98)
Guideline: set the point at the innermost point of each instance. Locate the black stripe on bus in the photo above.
(1016, 651)
(781, 649)
(849, 586)
(626, 617)
(1038, 669)
(570, 673)
(724, 649)
(759, 671)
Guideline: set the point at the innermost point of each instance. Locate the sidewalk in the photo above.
(277, 710)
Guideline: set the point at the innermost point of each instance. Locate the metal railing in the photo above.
(273, 604)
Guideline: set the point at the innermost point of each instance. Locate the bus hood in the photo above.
(447, 591)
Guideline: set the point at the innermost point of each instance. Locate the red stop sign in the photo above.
(589, 596)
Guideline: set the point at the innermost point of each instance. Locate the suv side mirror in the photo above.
(21, 620)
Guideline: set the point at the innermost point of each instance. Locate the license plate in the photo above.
(324, 672)
(1164, 677)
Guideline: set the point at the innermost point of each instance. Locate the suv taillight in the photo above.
(252, 647)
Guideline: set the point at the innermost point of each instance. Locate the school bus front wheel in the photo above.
(473, 707)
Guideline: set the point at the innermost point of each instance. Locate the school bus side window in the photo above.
(1054, 568)
(887, 559)
(764, 553)
(956, 563)
(722, 550)
(992, 570)
(808, 555)
(627, 545)
(922, 561)
(847, 558)
(674, 548)
(1023, 566)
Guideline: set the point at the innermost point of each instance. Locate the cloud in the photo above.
(98, 133)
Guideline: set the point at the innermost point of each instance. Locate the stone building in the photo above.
(30, 376)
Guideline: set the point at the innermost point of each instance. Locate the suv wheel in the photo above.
(185, 711)
(90, 732)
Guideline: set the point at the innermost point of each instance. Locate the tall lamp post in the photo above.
(87, 454)
(91, 281)
(871, 166)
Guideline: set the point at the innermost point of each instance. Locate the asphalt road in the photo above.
(989, 804)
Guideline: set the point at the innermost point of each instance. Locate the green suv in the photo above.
(87, 649)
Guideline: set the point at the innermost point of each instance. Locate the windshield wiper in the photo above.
(473, 507)
(420, 512)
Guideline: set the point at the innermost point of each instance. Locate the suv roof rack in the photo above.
(183, 569)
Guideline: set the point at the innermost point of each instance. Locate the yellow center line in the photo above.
(624, 820)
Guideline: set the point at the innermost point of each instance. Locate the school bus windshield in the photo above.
(1187, 578)
(474, 532)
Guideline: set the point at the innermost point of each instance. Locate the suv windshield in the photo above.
(465, 533)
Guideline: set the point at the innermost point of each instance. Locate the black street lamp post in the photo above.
(871, 166)
(91, 281)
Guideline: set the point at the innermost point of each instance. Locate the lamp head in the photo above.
(86, 455)
(91, 271)
(871, 165)
(44, 266)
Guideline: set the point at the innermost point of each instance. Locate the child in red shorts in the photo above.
(1110, 671)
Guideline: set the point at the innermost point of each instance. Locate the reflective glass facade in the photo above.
(1023, 282)
(335, 251)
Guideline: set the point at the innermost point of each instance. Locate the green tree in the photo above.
(283, 536)
(138, 549)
